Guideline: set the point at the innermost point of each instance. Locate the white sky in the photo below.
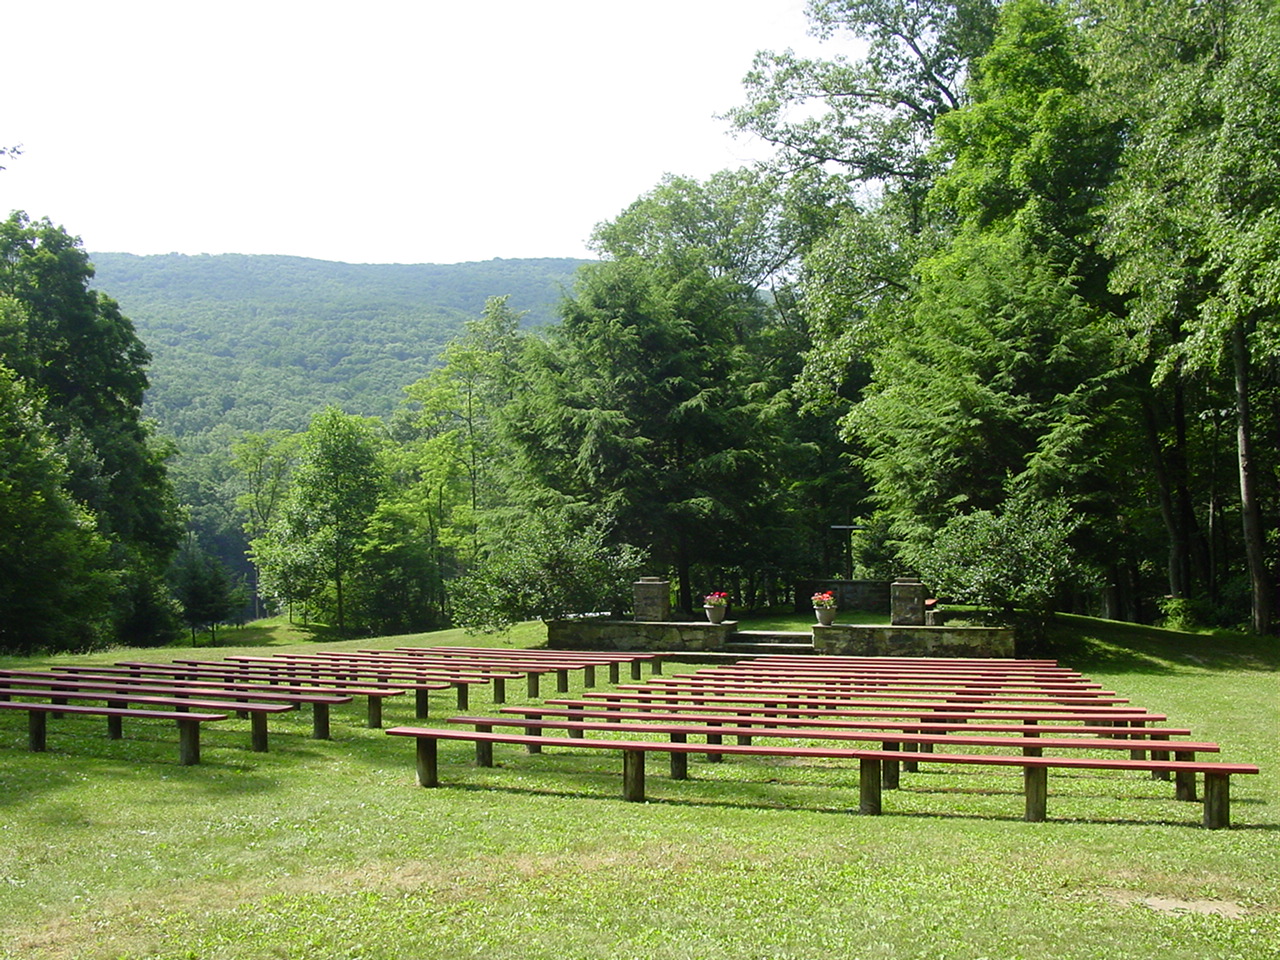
(381, 131)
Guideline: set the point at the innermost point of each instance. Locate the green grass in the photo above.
(323, 850)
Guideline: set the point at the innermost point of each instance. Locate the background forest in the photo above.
(1005, 299)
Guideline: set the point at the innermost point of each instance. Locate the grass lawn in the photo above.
(328, 849)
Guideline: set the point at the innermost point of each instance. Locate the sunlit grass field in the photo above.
(328, 849)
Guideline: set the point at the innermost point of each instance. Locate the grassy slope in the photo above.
(327, 849)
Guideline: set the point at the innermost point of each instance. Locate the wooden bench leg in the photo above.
(428, 768)
(1217, 800)
(532, 684)
(499, 689)
(714, 738)
(533, 732)
(115, 728)
(589, 676)
(189, 741)
(679, 760)
(37, 731)
(633, 775)
(421, 703)
(910, 766)
(319, 721)
(869, 787)
(1184, 781)
(562, 681)
(636, 673)
(613, 671)
(1035, 784)
(484, 749)
(889, 778)
(375, 712)
(258, 732)
(1159, 755)
(655, 666)
(464, 695)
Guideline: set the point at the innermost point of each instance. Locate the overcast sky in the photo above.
(385, 131)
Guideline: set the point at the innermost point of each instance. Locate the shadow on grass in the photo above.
(1114, 647)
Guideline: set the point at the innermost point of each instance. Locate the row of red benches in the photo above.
(816, 708)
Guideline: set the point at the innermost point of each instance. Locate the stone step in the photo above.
(769, 649)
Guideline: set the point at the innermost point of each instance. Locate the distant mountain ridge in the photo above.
(259, 342)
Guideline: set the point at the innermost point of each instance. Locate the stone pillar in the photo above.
(907, 602)
(653, 599)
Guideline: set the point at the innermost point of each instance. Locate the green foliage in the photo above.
(263, 342)
(1019, 557)
(545, 568)
(73, 351)
(56, 577)
(203, 589)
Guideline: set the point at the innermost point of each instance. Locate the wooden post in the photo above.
(1217, 800)
(1035, 784)
(375, 712)
(115, 727)
(421, 702)
(37, 730)
(533, 732)
(589, 675)
(319, 721)
(499, 689)
(258, 731)
(464, 695)
(679, 759)
(613, 671)
(428, 773)
(533, 683)
(911, 766)
(484, 748)
(655, 666)
(889, 769)
(1184, 781)
(1159, 755)
(562, 680)
(714, 738)
(633, 775)
(189, 741)
(635, 670)
(869, 786)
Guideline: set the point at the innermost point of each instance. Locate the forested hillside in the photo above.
(263, 342)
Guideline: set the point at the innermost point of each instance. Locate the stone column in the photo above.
(907, 602)
(653, 599)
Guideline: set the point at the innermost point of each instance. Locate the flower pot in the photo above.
(826, 615)
(716, 614)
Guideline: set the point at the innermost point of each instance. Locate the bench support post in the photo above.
(37, 731)
(1035, 783)
(1217, 800)
(679, 760)
(464, 697)
(499, 689)
(533, 732)
(869, 786)
(428, 772)
(889, 769)
(532, 680)
(1184, 785)
(613, 671)
(633, 775)
(635, 670)
(115, 728)
(375, 712)
(189, 741)
(258, 732)
(562, 680)
(589, 675)
(319, 722)
(421, 703)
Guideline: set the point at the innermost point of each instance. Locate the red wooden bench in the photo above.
(188, 723)
(1035, 769)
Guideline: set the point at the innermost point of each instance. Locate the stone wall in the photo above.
(839, 639)
(851, 640)
(590, 633)
(869, 595)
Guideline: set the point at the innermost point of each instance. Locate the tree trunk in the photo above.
(1250, 510)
